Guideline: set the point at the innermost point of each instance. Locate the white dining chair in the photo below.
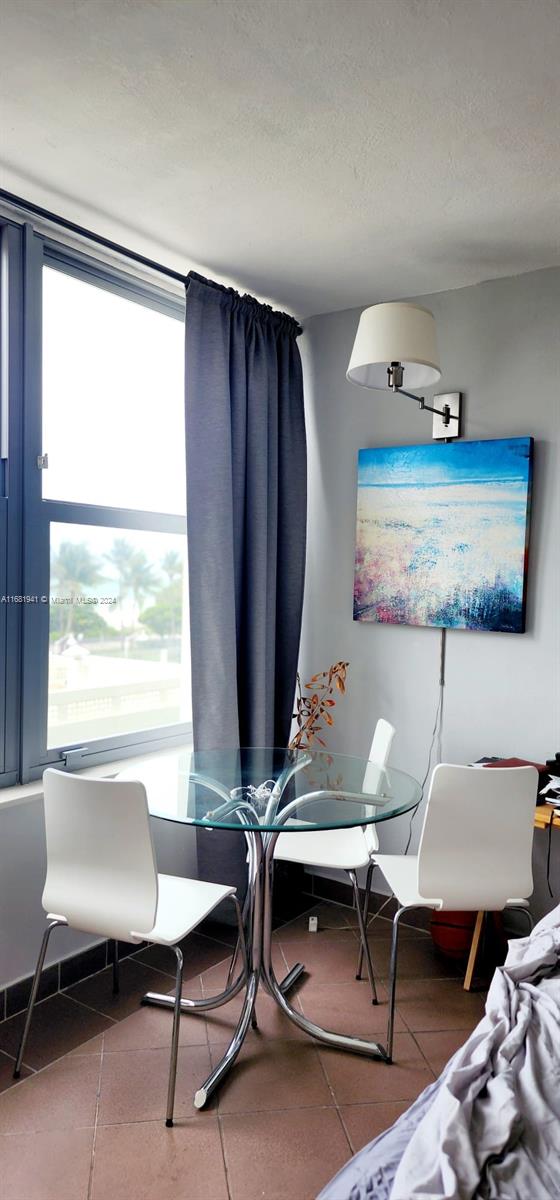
(347, 850)
(102, 879)
(474, 852)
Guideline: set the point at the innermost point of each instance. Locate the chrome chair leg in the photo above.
(363, 935)
(525, 911)
(116, 983)
(530, 920)
(393, 977)
(33, 995)
(175, 1038)
(366, 918)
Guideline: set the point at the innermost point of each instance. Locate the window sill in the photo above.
(25, 793)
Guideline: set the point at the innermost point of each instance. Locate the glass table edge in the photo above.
(254, 827)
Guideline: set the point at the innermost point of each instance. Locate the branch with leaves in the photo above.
(315, 711)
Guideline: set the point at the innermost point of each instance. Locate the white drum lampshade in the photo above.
(395, 333)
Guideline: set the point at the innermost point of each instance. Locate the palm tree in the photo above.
(73, 568)
(119, 556)
(172, 565)
(143, 579)
(135, 574)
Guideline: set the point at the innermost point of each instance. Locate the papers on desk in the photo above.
(553, 786)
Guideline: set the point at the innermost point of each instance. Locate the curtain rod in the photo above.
(73, 227)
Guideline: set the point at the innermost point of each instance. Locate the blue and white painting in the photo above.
(442, 534)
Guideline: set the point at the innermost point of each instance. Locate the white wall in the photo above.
(499, 345)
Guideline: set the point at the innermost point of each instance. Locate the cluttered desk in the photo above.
(547, 816)
(548, 800)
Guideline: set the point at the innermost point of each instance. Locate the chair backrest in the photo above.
(383, 735)
(378, 757)
(101, 870)
(477, 836)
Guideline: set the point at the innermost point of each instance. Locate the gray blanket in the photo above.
(490, 1126)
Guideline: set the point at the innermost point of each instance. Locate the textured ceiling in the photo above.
(323, 153)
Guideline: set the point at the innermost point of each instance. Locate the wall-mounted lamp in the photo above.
(396, 343)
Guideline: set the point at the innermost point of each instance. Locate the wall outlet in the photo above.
(313, 924)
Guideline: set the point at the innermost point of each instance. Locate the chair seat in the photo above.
(401, 873)
(344, 849)
(182, 905)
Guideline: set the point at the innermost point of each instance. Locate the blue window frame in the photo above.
(11, 424)
(84, 683)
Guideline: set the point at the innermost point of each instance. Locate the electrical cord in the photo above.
(437, 732)
(377, 914)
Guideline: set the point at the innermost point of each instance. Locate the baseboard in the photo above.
(14, 998)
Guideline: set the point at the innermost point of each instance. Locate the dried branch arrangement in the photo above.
(315, 711)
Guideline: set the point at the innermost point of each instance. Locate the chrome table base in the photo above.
(291, 978)
(259, 969)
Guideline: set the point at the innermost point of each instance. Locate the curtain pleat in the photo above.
(246, 519)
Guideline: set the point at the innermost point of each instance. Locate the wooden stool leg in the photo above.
(475, 944)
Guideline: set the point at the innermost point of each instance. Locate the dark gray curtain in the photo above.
(246, 517)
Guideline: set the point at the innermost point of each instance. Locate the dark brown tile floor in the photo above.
(86, 1123)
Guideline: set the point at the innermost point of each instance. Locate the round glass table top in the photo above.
(268, 789)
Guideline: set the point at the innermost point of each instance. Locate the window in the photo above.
(116, 632)
(99, 517)
(113, 399)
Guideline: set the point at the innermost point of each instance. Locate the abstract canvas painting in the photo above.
(442, 534)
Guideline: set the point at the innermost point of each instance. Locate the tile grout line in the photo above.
(135, 957)
(66, 1053)
(347, 1135)
(335, 1102)
(39, 1071)
(207, 1115)
(224, 1158)
(323, 1069)
(218, 1118)
(417, 1043)
(11, 1059)
(90, 1008)
(96, 1118)
(16, 1133)
(218, 940)
(140, 962)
